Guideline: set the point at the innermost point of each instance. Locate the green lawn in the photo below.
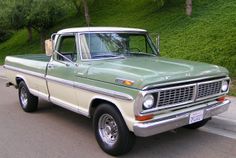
(208, 36)
(233, 87)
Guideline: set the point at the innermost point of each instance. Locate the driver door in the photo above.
(61, 73)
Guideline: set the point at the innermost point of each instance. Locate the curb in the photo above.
(227, 120)
(222, 123)
(2, 73)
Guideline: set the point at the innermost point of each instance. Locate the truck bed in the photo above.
(31, 69)
(38, 57)
(34, 62)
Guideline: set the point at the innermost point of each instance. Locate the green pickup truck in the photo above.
(116, 77)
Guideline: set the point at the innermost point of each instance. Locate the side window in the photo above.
(67, 47)
(137, 43)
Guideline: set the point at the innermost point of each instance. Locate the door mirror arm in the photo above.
(63, 56)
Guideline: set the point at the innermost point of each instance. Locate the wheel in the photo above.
(28, 102)
(111, 132)
(197, 124)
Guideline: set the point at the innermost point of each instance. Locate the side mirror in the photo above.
(48, 47)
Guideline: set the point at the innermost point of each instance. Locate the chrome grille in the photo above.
(176, 96)
(208, 89)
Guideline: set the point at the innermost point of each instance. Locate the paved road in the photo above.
(53, 132)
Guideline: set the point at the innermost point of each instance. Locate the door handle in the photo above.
(51, 66)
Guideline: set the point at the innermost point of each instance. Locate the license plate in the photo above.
(196, 116)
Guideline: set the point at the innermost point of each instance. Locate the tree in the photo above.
(83, 5)
(5, 26)
(39, 15)
(189, 7)
(86, 12)
(44, 15)
(18, 16)
(77, 4)
(13, 15)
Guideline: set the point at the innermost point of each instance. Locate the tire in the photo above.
(197, 124)
(111, 132)
(28, 102)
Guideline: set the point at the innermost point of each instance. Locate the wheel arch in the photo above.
(20, 78)
(98, 101)
(116, 104)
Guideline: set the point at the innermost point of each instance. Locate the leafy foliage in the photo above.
(207, 36)
(18, 15)
(45, 14)
(40, 15)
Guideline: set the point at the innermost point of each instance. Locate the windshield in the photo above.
(115, 45)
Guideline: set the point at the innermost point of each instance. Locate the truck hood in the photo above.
(151, 70)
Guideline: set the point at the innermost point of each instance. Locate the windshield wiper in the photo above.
(142, 54)
(107, 56)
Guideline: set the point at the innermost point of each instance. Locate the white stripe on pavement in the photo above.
(218, 131)
(226, 119)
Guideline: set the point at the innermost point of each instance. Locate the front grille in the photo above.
(208, 89)
(179, 95)
(175, 96)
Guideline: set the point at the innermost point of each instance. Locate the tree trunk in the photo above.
(43, 38)
(189, 7)
(30, 34)
(86, 12)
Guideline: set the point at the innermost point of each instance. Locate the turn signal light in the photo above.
(128, 83)
(144, 118)
(221, 99)
(124, 82)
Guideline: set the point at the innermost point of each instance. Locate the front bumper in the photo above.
(145, 129)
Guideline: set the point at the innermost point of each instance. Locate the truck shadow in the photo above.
(183, 143)
(64, 116)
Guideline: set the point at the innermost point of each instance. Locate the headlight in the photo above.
(225, 86)
(148, 101)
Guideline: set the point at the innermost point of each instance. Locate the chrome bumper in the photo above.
(145, 129)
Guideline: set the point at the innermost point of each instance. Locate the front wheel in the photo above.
(28, 102)
(111, 132)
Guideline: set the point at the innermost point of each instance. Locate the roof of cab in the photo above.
(100, 29)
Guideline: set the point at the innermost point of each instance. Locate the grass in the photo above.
(18, 45)
(207, 36)
(232, 91)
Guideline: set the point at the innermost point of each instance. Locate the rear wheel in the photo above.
(28, 102)
(197, 124)
(111, 132)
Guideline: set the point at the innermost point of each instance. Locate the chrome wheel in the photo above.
(108, 129)
(28, 102)
(24, 97)
(111, 131)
